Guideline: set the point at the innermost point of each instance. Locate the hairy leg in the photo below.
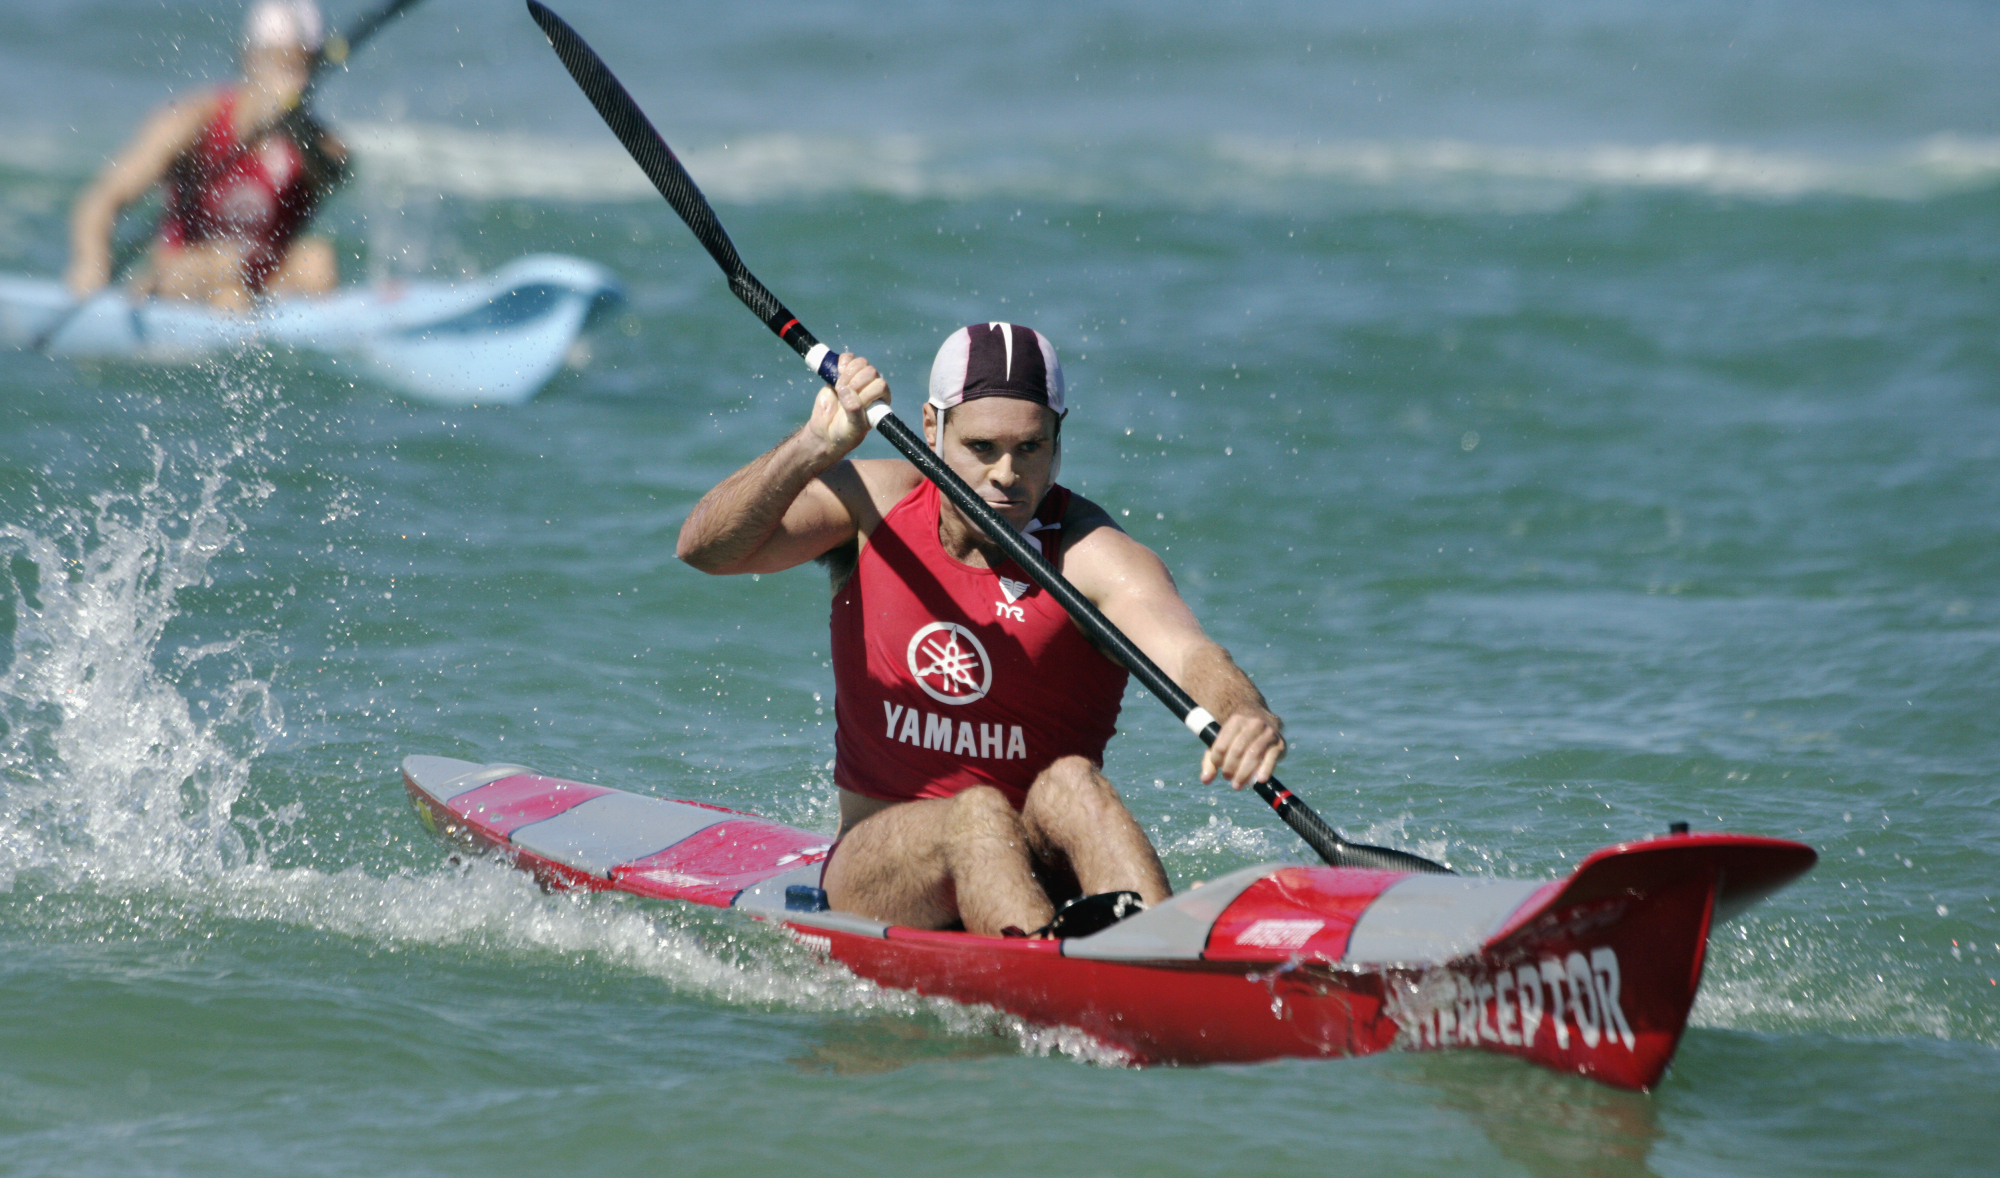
(930, 862)
(1074, 815)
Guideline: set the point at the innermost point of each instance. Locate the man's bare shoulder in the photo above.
(1094, 546)
(883, 481)
(870, 488)
(1083, 517)
(169, 130)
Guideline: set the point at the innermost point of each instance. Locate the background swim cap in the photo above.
(283, 24)
(996, 360)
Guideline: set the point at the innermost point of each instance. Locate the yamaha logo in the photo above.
(949, 664)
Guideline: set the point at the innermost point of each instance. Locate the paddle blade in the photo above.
(1388, 859)
(1335, 850)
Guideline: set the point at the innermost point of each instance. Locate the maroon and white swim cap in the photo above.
(997, 360)
(284, 24)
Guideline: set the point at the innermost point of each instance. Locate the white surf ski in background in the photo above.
(491, 340)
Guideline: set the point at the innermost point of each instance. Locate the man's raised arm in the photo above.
(137, 167)
(1132, 586)
(1252, 739)
(795, 502)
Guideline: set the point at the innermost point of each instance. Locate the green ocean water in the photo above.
(1575, 422)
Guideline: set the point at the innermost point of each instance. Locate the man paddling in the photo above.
(972, 713)
(245, 168)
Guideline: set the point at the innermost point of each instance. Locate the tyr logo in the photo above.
(1012, 590)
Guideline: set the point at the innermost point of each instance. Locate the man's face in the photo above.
(1005, 450)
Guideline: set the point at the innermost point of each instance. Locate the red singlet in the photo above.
(258, 194)
(947, 676)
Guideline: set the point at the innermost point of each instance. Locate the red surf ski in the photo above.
(1593, 974)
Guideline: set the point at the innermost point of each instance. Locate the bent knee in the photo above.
(1071, 777)
(981, 806)
(982, 815)
(1071, 794)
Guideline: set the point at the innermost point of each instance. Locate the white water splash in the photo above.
(109, 773)
(1220, 840)
(1782, 974)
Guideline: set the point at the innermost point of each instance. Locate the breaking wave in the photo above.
(1242, 170)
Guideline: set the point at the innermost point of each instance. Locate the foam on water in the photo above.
(429, 157)
(1236, 169)
(1475, 176)
(487, 905)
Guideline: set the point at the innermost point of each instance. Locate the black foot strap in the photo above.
(1090, 914)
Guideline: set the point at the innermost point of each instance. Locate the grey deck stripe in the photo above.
(612, 829)
(1176, 929)
(845, 922)
(1432, 919)
(769, 896)
(486, 776)
(444, 778)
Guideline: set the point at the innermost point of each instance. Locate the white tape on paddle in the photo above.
(815, 354)
(1198, 719)
(876, 411)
